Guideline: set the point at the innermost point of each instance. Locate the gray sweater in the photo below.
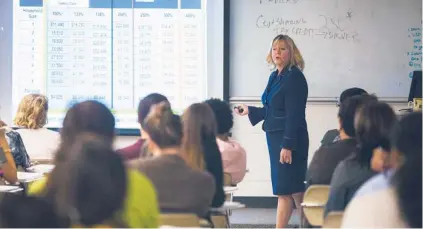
(179, 188)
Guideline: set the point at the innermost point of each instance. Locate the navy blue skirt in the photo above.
(287, 179)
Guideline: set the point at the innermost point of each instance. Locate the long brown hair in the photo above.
(199, 124)
(88, 116)
(88, 183)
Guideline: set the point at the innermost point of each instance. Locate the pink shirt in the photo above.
(234, 159)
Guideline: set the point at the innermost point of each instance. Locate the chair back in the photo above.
(333, 220)
(314, 202)
(227, 179)
(179, 220)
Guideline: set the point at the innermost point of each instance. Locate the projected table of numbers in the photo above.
(116, 52)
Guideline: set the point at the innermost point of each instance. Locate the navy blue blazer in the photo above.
(284, 102)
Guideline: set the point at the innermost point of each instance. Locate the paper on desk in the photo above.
(7, 188)
(24, 176)
(42, 168)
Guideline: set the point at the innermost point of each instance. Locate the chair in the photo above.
(220, 221)
(179, 220)
(227, 181)
(314, 202)
(333, 220)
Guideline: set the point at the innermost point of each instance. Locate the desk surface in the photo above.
(229, 205)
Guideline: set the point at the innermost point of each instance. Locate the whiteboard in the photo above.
(373, 44)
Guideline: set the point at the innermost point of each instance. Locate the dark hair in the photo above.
(88, 116)
(350, 92)
(88, 184)
(348, 109)
(21, 211)
(223, 113)
(407, 183)
(163, 127)
(199, 126)
(373, 124)
(146, 103)
(406, 136)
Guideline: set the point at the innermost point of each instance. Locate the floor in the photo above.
(259, 218)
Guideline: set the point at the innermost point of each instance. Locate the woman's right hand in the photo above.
(241, 109)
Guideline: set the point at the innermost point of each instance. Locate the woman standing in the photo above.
(284, 102)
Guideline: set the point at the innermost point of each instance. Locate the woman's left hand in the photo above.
(286, 156)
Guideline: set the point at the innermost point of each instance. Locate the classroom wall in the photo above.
(320, 118)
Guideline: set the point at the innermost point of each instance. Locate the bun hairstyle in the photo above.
(163, 127)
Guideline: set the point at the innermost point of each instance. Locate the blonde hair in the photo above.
(199, 126)
(32, 112)
(296, 59)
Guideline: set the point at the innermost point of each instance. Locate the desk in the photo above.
(10, 188)
(228, 206)
(220, 217)
(230, 189)
(41, 168)
(25, 177)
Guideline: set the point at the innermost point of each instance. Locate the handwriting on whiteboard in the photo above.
(330, 28)
(415, 55)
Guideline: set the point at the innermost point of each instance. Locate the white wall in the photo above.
(320, 118)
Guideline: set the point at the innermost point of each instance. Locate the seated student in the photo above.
(327, 157)
(20, 211)
(16, 146)
(386, 160)
(7, 163)
(200, 148)
(30, 118)
(332, 136)
(395, 202)
(88, 184)
(138, 149)
(140, 208)
(233, 155)
(179, 187)
(373, 123)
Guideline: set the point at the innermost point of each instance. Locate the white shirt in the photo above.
(40, 143)
(378, 209)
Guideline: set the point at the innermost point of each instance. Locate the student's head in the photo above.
(406, 139)
(147, 102)
(373, 124)
(21, 211)
(347, 111)
(32, 112)
(88, 116)
(223, 113)
(350, 92)
(199, 127)
(2, 123)
(162, 128)
(407, 182)
(88, 184)
(284, 52)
